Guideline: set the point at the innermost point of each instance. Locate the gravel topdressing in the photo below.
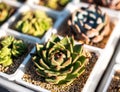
(31, 77)
(115, 83)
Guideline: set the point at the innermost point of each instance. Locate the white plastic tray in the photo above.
(38, 88)
(3, 33)
(114, 69)
(118, 55)
(25, 8)
(107, 52)
(104, 54)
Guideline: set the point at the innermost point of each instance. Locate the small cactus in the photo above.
(11, 48)
(34, 23)
(89, 25)
(59, 61)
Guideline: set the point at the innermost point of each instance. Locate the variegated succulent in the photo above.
(34, 23)
(5, 12)
(89, 24)
(54, 4)
(60, 61)
(11, 48)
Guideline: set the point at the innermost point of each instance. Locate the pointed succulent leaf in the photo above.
(19, 48)
(43, 64)
(77, 49)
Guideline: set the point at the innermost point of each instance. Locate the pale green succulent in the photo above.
(59, 61)
(34, 23)
(4, 12)
(5, 56)
(55, 4)
(11, 48)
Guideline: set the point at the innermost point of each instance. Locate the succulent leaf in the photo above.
(57, 63)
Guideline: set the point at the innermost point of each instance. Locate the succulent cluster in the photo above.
(5, 12)
(10, 47)
(34, 23)
(54, 4)
(60, 61)
(89, 24)
(113, 4)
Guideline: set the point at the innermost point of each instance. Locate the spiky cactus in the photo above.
(89, 25)
(34, 23)
(11, 48)
(59, 61)
(5, 12)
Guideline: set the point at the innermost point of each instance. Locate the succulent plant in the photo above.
(11, 48)
(89, 24)
(34, 23)
(59, 61)
(54, 4)
(114, 4)
(5, 56)
(5, 12)
(18, 48)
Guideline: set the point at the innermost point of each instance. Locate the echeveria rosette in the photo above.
(34, 23)
(113, 4)
(10, 47)
(59, 61)
(5, 12)
(89, 24)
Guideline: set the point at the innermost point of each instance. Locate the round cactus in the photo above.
(34, 23)
(59, 61)
(89, 24)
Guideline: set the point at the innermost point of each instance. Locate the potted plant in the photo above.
(6, 12)
(58, 65)
(112, 4)
(53, 4)
(13, 51)
(89, 25)
(113, 83)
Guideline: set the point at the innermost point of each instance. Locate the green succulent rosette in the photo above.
(34, 23)
(11, 48)
(59, 61)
